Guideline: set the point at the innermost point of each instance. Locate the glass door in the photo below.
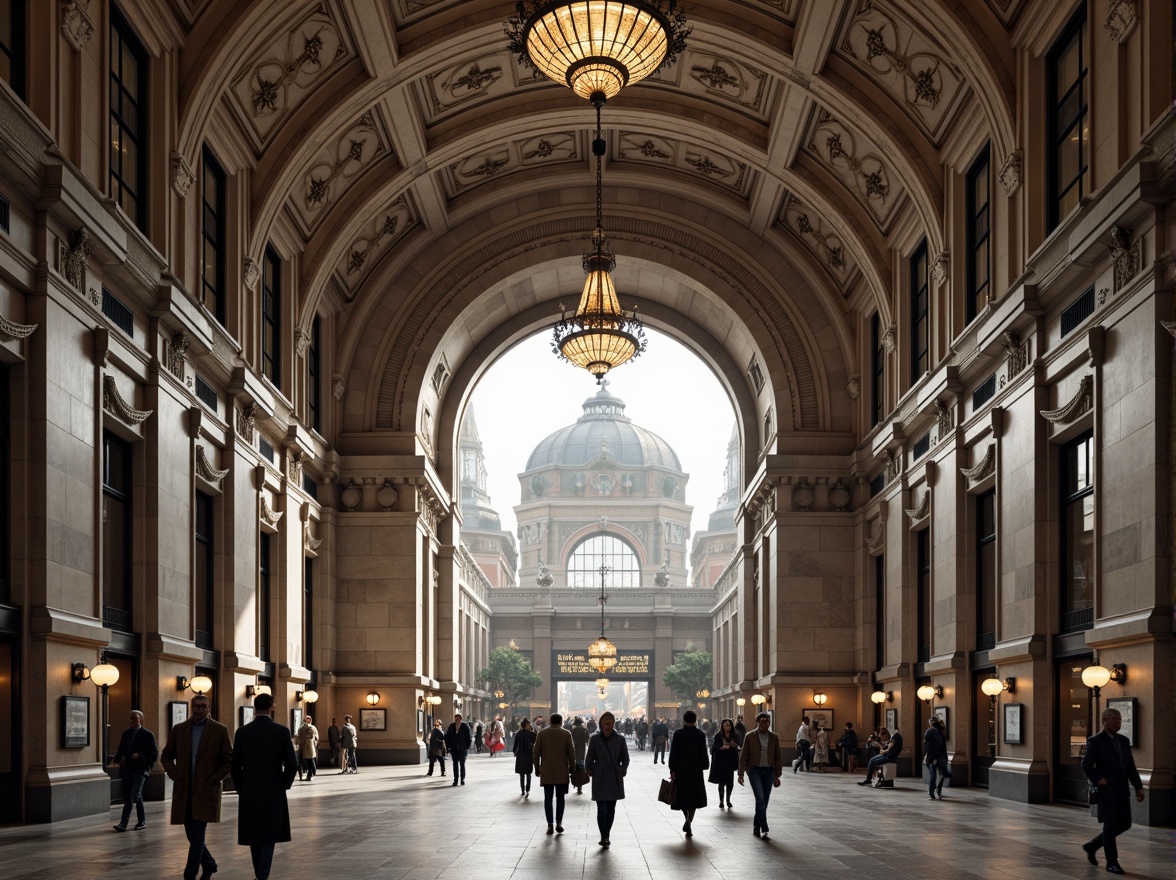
(1072, 731)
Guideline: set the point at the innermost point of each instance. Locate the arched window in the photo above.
(609, 550)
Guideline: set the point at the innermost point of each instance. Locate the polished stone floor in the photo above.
(392, 822)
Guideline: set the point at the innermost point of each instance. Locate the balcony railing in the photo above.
(1077, 620)
(116, 618)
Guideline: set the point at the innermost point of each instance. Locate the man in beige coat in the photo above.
(555, 759)
(197, 758)
(762, 760)
(308, 737)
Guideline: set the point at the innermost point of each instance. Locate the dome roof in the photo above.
(604, 427)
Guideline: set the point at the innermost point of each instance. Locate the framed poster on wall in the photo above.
(1012, 723)
(75, 722)
(822, 718)
(940, 712)
(1126, 708)
(891, 719)
(246, 715)
(372, 719)
(177, 713)
(295, 720)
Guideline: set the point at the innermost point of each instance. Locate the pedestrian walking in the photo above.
(308, 738)
(523, 747)
(197, 758)
(802, 745)
(136, 755)
(496, 737)
(725, 760)
(761, 760)
(458, 740)
(436, 748)
(1110, 767)
(661, 738)
(935, 756)
(580, 741)
(821, 747)
(334, 740)
(554, 755)
(606, 762)
(264, 764)
(849, 747)
(689, 757)
(349, 742)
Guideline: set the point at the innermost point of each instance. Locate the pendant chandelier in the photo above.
(602, 654)
(597, 46)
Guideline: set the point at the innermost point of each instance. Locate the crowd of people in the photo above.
(262, 761)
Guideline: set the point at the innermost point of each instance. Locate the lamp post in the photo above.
(1096, 678)
(104, 675)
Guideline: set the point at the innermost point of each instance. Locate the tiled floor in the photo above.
(392, 822)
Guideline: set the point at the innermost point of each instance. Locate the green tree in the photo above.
(689, 674)
(510, 672)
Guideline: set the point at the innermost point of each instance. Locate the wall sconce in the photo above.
(310, 696)
(1119, 673)
(1096, 678)
(200, 684)
(80, 672)
(927, 692)
(372, 698)
(879, 697)
(758, 699)
(820, 699)
(456, 701)
(993, 686)
(740, 702)
(256, 690)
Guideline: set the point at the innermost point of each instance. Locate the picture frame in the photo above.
(420, 721)
(891, 719)
(1013, 723)
(296, 716)
(75, 722)
(824, 716)
(1126, 708)
(247, 714)
(177, 713)
(373, 719)
(941, 712)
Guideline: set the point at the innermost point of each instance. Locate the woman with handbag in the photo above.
(524, 742)
(725, 760)
(606, 762)
(436, 748)
(689, 756)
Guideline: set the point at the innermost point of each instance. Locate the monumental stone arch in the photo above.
(923, 244)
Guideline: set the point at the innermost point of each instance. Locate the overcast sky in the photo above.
(529, 394)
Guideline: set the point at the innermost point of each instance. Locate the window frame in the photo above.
(308, 612)
(203, 595)
(1075, 29)
(629, 577)
(270, 303)
(877, 371)
(112, 445)
(5, 485)
(264, 596)
(122, 34)
(977, 237)
(985, 599)
(920, 323)
(314, 376)
(1071, 497)
(925, 618)
(17, 51)
(213, 235)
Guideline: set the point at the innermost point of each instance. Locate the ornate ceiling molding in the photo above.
(204, 468)
(113, 403)
(336, 166)
(1079, 404)
(856, 162)
(984, 468)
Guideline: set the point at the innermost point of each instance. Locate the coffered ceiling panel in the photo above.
(546, 150)
(805, 224)
(698, 160)
(471, 83)
(378, 237)
(721, 77)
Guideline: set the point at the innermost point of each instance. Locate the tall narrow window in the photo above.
(877, 371)
(925, 621)
(128, 120)
(212, 232)
(12, 45)
(116, 533)
(879, 611)
(1078, 534)
(986, 571)
(308, 614)
(978, 290)
(264, 597)
(1069, 122)
(271, 317)
(920, 321)
(203, 593)
(314, 375)
(5, 488)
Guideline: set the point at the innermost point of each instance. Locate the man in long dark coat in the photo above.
(689, 757)
(1108, 764)
(264, 766)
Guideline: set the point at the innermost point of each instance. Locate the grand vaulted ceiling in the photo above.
(802, 133)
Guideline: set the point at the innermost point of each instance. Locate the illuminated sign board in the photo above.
(574, 665)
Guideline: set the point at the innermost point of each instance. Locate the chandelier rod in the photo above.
(603, 571)
(598, 149)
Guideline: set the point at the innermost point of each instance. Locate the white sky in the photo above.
(529, 394)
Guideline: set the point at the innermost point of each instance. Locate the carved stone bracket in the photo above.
(301, 340)
(1010, 173)
(890, 338)
(182, 176)
(204, 468)
(176, 349)
(1016, 351)
(114, 404)
(76, 24)
(939, 269)
(338, 387)
(267, 515)
(944, 420)
(1122, 17)
(984, 468)
(893, 464)
(875, 542)
(1079, 404)
(75, 258)
(919, 512)
(251, 274)
(429, 507)
(1125, 256)
(247, 421)
(10, 331)
(294, 467)
(853, 387)
(309, 541)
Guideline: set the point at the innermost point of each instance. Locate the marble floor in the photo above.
(392, 822)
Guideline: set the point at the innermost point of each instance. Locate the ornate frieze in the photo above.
(337, 164)
(859, 167)
(204, 468)
(644, 148)
(378, 236)
(1079, 404)
(11, 331)
(452, 88)
(76, 23)
(919, 512)
(812, 230)
(75, 258)
(726, 79)
(182, 176)
(984, 468)
(1122, 17)
(114, 403)
(1010, 173)
(268, 515)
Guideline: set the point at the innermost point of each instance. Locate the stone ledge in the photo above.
(1144, 626)
(171, 648)
(62, 626)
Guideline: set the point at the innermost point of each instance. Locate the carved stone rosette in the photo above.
(919, 512)
(114, 404)
(1079, 404)
(11, 331)
(984, 468)
(204, 468)
(839, 496)
(387, 496)
(803, 495)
